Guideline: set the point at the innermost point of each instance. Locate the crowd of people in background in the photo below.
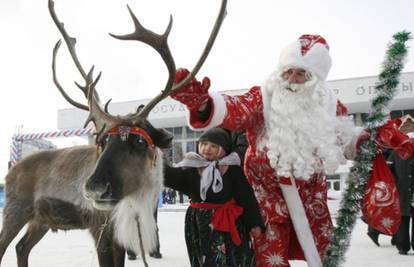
(169, 196)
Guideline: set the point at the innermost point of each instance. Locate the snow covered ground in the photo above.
(76, 248)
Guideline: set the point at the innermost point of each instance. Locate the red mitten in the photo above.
(194, 94)
(389, 136)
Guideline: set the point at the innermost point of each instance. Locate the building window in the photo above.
(337, 185)
(334, 182)
(192, 134)
(333, 177)
(174, 154)
(394, 114)
(176, 131)
(191, 146)
(177, 155)
(399, 113)
(168, 154)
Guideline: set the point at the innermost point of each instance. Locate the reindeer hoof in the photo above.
(155, 255)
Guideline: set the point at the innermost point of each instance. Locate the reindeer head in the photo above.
(127, 145)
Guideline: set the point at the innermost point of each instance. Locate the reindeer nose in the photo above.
(98, 191)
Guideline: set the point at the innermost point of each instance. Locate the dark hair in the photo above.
(218, 136)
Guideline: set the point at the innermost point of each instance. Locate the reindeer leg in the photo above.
(34, 234)
(105, 247)
(108, 250)
(119, 255)
(15, 216)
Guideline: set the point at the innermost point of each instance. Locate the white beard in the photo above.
(303, 135)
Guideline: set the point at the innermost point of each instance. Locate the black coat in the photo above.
(403, 171)
(240, 144)
(235, 185)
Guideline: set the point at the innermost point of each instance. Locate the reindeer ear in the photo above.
(162, 138)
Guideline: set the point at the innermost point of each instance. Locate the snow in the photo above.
(75, 248)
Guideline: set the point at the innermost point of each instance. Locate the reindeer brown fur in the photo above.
(107, 188)
(44, 191)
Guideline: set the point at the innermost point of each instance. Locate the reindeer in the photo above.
(109, 188)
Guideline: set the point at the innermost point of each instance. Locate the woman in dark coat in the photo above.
(223, 209)
(403, 171)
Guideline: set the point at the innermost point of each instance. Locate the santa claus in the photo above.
(297, 134)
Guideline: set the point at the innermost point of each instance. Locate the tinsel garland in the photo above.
(360, 172)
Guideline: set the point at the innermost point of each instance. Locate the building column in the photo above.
(342, 178)
(358, 119)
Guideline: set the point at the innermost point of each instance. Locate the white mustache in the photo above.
(293, 87)
(298, 87)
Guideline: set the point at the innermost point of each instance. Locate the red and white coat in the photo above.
(249, 112)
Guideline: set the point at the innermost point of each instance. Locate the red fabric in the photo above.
(284, 246)
(341, 109)
(285, 180)
(224, 217)
(381, 204)
(201, 124)
(194, 94)
(388, 136)
(308, 40)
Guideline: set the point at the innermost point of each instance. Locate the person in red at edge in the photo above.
(297, 133)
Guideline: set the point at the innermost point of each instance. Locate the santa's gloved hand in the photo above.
(194, 94)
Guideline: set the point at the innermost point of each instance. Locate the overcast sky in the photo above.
(245, 52)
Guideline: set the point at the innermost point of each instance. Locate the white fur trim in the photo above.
(411, 135)
(266, 98)
(301, 224)
(350, 150)
(140, 205)
(317, 60)
(219, 110)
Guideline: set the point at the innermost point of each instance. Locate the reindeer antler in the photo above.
(159, 43)
(101, 118)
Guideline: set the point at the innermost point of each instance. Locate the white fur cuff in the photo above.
(218, 113)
